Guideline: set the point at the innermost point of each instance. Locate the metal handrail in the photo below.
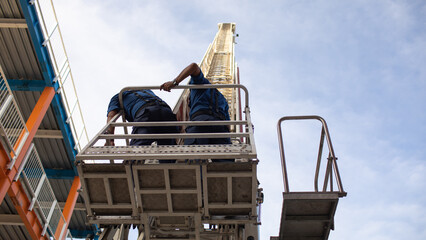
(56, 48)
(39, 190)
(242, 137)
(331, 159)
(12, 124)
(192, 86)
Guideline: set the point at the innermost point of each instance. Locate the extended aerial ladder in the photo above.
(194, 198)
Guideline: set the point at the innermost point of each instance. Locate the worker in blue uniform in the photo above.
(205, 105)
(143, 106)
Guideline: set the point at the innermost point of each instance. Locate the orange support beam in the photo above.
(15, 189)
(68, 209)
(21, 203)
(33, 122)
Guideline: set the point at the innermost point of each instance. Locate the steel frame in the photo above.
(173, 199)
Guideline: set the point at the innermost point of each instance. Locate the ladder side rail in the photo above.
(330, 147)
(205, 64)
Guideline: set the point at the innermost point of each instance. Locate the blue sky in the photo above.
(359, 64)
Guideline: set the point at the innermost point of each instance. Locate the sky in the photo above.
(359, 64)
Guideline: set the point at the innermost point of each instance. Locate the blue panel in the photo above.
(26, 85)
(37, 38)
(60, 173)
(83, 233)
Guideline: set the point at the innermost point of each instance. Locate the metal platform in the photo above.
(308, 215)
(172, 199)
(231, 191)
(108, 193)
(233, 151)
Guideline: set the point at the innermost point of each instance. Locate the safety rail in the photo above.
(331, 163)
(56, 48)
(13, 129)
(242, 146)
(40, 192)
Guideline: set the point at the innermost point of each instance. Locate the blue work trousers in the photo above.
(207, 129)
(155, 113)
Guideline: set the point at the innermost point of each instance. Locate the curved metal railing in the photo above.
(242, 146)
(331, 163)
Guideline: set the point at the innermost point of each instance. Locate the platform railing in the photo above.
(242, 142)
(38, 189)
(56, 48)
(13, 129)
(331, 160)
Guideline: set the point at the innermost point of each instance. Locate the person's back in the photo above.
(144, 106)
(207, 101)
(133, 102)
(205, 105)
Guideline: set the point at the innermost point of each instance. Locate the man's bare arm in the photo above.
(191, 70)
(111, 129)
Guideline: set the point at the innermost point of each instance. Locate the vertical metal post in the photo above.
(37, 191)
(26, 157)
(49, 216)
(283, 163)
(321, 145)
(330, 147)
